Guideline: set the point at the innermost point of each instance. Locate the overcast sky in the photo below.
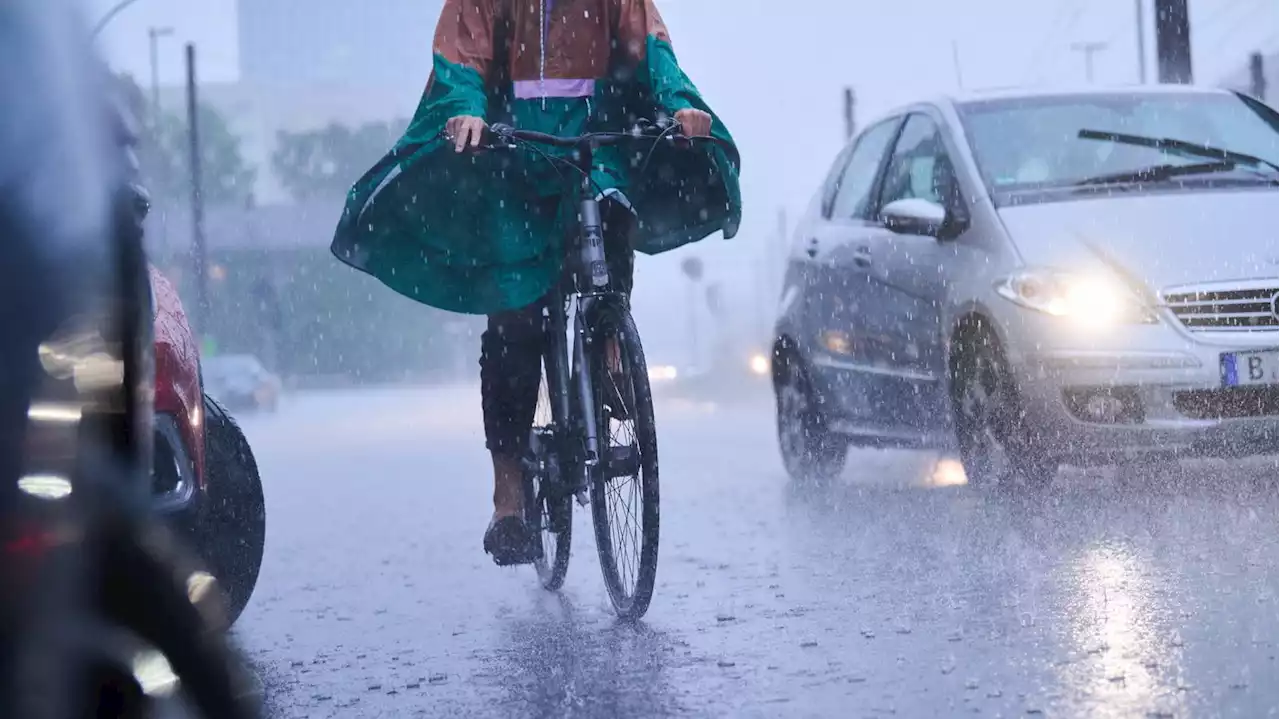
(774, 73)
(774, 70)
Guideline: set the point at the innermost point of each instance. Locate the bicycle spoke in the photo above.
(630, 543)
(625, 527)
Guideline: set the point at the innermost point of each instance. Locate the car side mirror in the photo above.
(914, 216)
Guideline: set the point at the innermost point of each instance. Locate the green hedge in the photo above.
(332, 320)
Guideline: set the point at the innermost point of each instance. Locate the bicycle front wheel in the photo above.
(624, 495)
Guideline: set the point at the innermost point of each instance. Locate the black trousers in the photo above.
(511, 347)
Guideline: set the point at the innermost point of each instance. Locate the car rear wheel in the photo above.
(810, 452)
(997, 446)
(233, 524)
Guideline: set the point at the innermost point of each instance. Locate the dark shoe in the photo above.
(509, 541)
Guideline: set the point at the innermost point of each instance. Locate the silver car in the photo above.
(1038, 279)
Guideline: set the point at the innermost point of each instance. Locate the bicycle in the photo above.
(590, 390)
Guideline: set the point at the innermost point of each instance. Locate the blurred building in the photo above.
(275, 291)
(290, 44)
(307, 63)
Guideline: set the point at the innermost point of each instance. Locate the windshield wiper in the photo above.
(1184, 147)
(1158, 173)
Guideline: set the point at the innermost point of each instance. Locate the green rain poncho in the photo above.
(475, 232)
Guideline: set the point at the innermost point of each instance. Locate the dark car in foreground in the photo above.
(204, 477)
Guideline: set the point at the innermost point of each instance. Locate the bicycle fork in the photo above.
(593, 272)
(573, 406)
(586, 401)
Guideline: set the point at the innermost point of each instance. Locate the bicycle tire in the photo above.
(540, 509)
(613, 320)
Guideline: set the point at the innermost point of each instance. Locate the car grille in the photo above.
(1230, 403)
(1239, 307)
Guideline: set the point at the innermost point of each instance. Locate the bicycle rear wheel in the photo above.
(624, 496)
(548, 510)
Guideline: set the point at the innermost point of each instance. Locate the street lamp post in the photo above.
(110, 15)
(154, 34)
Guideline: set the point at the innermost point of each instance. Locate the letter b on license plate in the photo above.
(1242, 369)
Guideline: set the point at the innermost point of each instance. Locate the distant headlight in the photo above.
(659, 373)
(1086, 300)
(759, 364)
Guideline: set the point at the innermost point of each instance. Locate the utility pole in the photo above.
(850, 110)
(198, 254)
(693, 270)
(1089, 48)
(1257, 77)
(955, 63)
(1173, 42)
(1141, 6)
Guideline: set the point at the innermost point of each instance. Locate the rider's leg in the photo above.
(510, 372)
(619, 223)
(511, 368)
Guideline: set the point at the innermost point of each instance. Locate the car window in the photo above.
(832, 181)
(853, 197)
(919, 167)
(1031, 143)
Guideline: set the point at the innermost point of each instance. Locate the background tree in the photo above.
(164, 153)
(328, 160)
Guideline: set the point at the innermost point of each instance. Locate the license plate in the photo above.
(1243, 369)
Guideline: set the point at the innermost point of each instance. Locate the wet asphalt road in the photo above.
(886, 595)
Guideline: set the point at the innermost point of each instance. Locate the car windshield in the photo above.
(1050, 142)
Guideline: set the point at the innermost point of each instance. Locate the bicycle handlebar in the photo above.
(500, 136)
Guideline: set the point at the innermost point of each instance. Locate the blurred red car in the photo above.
(204, 478)
(178, 473)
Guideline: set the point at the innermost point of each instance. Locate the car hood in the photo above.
(1160, 240)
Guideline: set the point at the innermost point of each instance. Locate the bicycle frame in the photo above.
(569, 379)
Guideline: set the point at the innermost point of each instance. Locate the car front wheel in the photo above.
(996, 444)
(233, 524)
(810, 452)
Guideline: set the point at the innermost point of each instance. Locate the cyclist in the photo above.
(481, 233)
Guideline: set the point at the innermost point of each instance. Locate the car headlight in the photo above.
(759, 364)
(659, 373)
(1084, 299)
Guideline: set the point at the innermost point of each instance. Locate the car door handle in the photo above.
(862, 256)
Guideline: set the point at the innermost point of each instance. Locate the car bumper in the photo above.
(175, 483)
(1147, 390)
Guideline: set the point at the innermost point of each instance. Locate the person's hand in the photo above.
(694, 123)
(465, 130)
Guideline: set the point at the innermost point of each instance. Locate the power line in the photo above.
(1240, 22)
(1222, 17)
(1037, 60)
